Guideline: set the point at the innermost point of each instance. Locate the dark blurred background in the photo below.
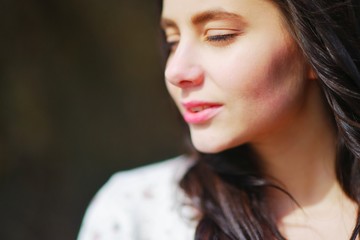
(82, 96)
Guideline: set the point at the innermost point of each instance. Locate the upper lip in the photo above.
(196, 106)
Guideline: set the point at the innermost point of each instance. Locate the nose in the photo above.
(183, 68)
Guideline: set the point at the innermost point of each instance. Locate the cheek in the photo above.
(266, 87)
(172, 90)
(175, 94)
(266, 75)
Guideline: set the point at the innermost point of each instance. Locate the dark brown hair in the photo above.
(230, 193)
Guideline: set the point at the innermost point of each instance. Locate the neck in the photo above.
(302, 156)
(304, 164)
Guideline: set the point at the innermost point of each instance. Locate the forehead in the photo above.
(186, 9)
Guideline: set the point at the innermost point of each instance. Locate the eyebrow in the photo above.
(204, 17)
(211, 15)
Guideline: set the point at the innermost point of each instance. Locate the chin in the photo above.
(211, 147)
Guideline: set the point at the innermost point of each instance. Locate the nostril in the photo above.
(186, 83)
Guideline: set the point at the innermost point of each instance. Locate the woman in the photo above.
(270, 92)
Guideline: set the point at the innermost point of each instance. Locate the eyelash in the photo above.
(170, 46)
(221, 38)
(216, 39)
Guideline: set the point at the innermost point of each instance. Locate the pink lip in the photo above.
(197, 112)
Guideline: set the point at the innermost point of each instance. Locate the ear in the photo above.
(311, 74)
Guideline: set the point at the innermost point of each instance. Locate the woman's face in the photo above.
(234, 71)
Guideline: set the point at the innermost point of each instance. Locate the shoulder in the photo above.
(141, 201)
(163, 173)
(154, 181)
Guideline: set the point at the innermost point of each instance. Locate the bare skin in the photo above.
(239, 55)
(304, 164)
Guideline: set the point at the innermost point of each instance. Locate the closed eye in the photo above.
(172, 41)
(221, 38)
(171, 45)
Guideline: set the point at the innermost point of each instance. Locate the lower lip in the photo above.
(202, 116)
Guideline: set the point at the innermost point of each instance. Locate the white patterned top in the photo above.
(145, 203)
